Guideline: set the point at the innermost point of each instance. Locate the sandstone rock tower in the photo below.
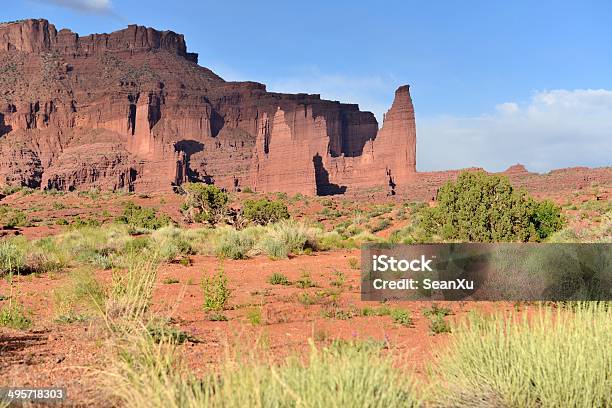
(133, 110)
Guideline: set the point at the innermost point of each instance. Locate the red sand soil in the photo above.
(60, 354)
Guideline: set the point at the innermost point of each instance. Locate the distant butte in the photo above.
(133, 110)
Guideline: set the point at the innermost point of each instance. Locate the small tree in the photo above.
(137, 216)
(204, 203)
(264, 211)
(479, 207)
(547, 218)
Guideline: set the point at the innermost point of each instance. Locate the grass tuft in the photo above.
(551, 358)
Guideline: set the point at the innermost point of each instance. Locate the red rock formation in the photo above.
(133, 110)
(154, 118)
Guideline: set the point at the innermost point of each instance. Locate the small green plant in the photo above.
(216, 317)
(170, 281)
(339, 279)
(185, 261)
(71, 318)
(78, 222)
(10, 190)
(278, 279)
(83, 294)
(376, 311)
(254, 316)
(338, 313)
(162, 332)
(438, 325)
(288, 237)
(305, 281)
(436, 310)
(354, 263)
(14, 316)
(401, 316)
(216, 291)
(306, 299)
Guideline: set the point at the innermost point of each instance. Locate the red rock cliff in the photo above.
(133, 110)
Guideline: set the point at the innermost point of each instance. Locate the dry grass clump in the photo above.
(553, 358)
(145, 373)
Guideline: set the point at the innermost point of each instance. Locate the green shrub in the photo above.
(339, 280)
(438, 325)
(288, 237)
(264, 211)
(216, 291)
(12, 217)
(45, 255)
(204, 203)
(71, 318)
(383, 224)
(78, 222)
(137, 216)
(12, 256)
(216, 317)
(169, 243)
(376, 311)
(546, 218)
(550, 358)
(305, 281)
(486, 208)
(401, 316)
(10, 190)
(278, 279)
(234, 244)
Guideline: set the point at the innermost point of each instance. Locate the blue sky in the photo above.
(494, 83)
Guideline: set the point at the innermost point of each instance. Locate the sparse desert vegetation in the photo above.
(240, 299)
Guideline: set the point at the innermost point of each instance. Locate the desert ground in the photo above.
(60, 326)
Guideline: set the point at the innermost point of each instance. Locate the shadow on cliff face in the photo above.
(216, 123)
(324, 187)
(189, 147)
(4, 128)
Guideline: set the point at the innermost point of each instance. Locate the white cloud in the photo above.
(87, 6)
(558, 128)
(507, 108)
